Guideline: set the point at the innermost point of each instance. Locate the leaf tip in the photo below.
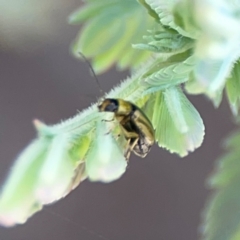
(39, 125)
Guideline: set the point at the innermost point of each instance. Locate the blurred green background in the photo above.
(159, 197)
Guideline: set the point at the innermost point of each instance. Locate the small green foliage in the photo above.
(181, 129)
(222, 219)
(175, 47)
(110, 27)
(173, 71)
(165, 41)
(17, 202)
(164, 10)
(179, 27)
(105, 161)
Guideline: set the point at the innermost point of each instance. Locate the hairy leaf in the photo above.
(179, 127)
(165, 41)
(173, 71)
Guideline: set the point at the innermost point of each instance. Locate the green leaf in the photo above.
(184, 17)
(164, 10)
(217, 47)
(110, 27)
(106, 59)
(226, 165)
(95, 40)
(179, 127)
(151, 12)
(86, 12)
(54, 176)
(221, 216)
(44, 172)
(194, 87)
(165, 41)
(214, 36)
(105, 161)
(17, 198)
(212, 75)
(233, 89)
(173, 71)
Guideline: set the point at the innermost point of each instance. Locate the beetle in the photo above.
(135, 125)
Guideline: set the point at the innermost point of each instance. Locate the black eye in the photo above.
(112, 106)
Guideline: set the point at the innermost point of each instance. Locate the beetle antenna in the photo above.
(91, 68)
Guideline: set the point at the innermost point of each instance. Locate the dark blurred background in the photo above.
(159, 197)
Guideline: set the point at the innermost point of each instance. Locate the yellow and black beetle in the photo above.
(135, 125)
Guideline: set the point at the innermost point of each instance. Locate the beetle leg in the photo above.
(130, 147)
(128, 151)
(108, 120)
